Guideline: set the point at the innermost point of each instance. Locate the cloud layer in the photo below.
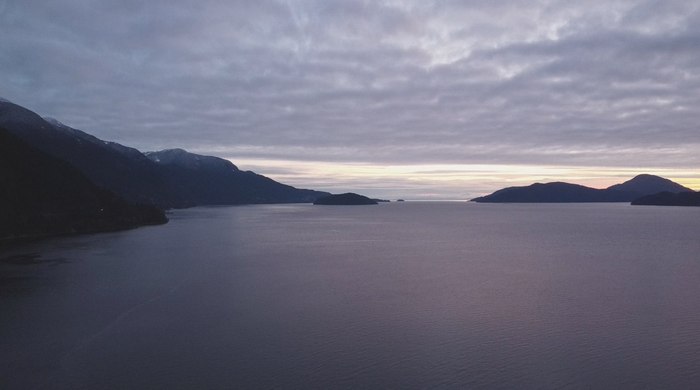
(536, 83)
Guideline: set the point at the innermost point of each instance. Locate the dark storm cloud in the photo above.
(376, 81)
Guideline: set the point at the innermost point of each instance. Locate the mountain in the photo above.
(347, 199)
(41, 195)
(212, 180)
(166, 179)
(669, 199)
(122, 170)
(645, 184)
(559, 192)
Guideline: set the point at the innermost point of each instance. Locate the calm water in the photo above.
(401, 295)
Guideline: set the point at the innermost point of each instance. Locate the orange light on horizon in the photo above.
(454, 180)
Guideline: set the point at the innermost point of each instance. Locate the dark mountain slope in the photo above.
(645, 184)
(669, 199)
(213, 180)
(167, 179)
(124, 171)
(559, 192)
(41, 195)
(556, 192)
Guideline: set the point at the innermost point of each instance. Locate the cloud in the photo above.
(605, 83)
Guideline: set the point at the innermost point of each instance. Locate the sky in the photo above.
(397, 99)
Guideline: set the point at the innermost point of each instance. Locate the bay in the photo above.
(400, 295)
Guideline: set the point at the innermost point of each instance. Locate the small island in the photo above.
(347, 199)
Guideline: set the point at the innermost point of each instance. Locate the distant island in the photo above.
(560, 192)
(347, 199)
(669, 199)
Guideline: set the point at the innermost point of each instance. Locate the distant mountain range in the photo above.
(205, 180)
(166, 179)
(559, 192)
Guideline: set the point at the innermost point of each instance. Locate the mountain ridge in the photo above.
(118, 170)
(171, 178)
(41, 195)
(562, 192)
(216, 181)
(648, 184)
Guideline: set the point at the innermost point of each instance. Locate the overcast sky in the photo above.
(415, 99)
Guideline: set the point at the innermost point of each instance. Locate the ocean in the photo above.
(398, 295)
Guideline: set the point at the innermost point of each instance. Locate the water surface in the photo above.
(401, 295)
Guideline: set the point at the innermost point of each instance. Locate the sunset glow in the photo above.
(445, 181)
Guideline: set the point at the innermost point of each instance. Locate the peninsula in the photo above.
(346, 199)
